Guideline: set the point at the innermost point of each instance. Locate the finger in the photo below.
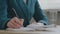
(8, 25)
(21, 20)
(12, 25)
(17, 25)
(17, 20)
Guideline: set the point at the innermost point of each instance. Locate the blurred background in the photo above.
(51, 9)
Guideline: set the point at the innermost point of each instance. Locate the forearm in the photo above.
(39, 15)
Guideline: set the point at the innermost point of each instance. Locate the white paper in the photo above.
(32, 27)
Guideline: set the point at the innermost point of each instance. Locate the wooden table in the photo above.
(31, 32)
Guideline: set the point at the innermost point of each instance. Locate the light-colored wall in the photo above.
(50, 4)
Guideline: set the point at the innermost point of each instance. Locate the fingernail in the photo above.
(21, 19)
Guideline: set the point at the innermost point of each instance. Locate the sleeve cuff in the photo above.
(5, 24)
(41, 21)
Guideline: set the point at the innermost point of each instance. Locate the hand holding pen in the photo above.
(15, 22)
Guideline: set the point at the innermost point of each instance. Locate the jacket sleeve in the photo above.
(3, 14)
(39, 15)
(15, 5)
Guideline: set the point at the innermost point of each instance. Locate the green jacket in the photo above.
(25, 11)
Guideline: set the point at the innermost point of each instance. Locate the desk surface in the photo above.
(30, 32)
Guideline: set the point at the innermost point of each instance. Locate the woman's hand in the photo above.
(15, 23)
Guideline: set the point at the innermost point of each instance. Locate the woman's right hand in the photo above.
(15, 23)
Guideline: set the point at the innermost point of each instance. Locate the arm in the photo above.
(39, 16)
(3, 14)
(16, 5)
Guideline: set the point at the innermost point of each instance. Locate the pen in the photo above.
(16, 15)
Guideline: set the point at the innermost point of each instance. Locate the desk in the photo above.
(57, 31)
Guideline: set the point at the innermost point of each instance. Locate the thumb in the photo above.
(21, 20)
